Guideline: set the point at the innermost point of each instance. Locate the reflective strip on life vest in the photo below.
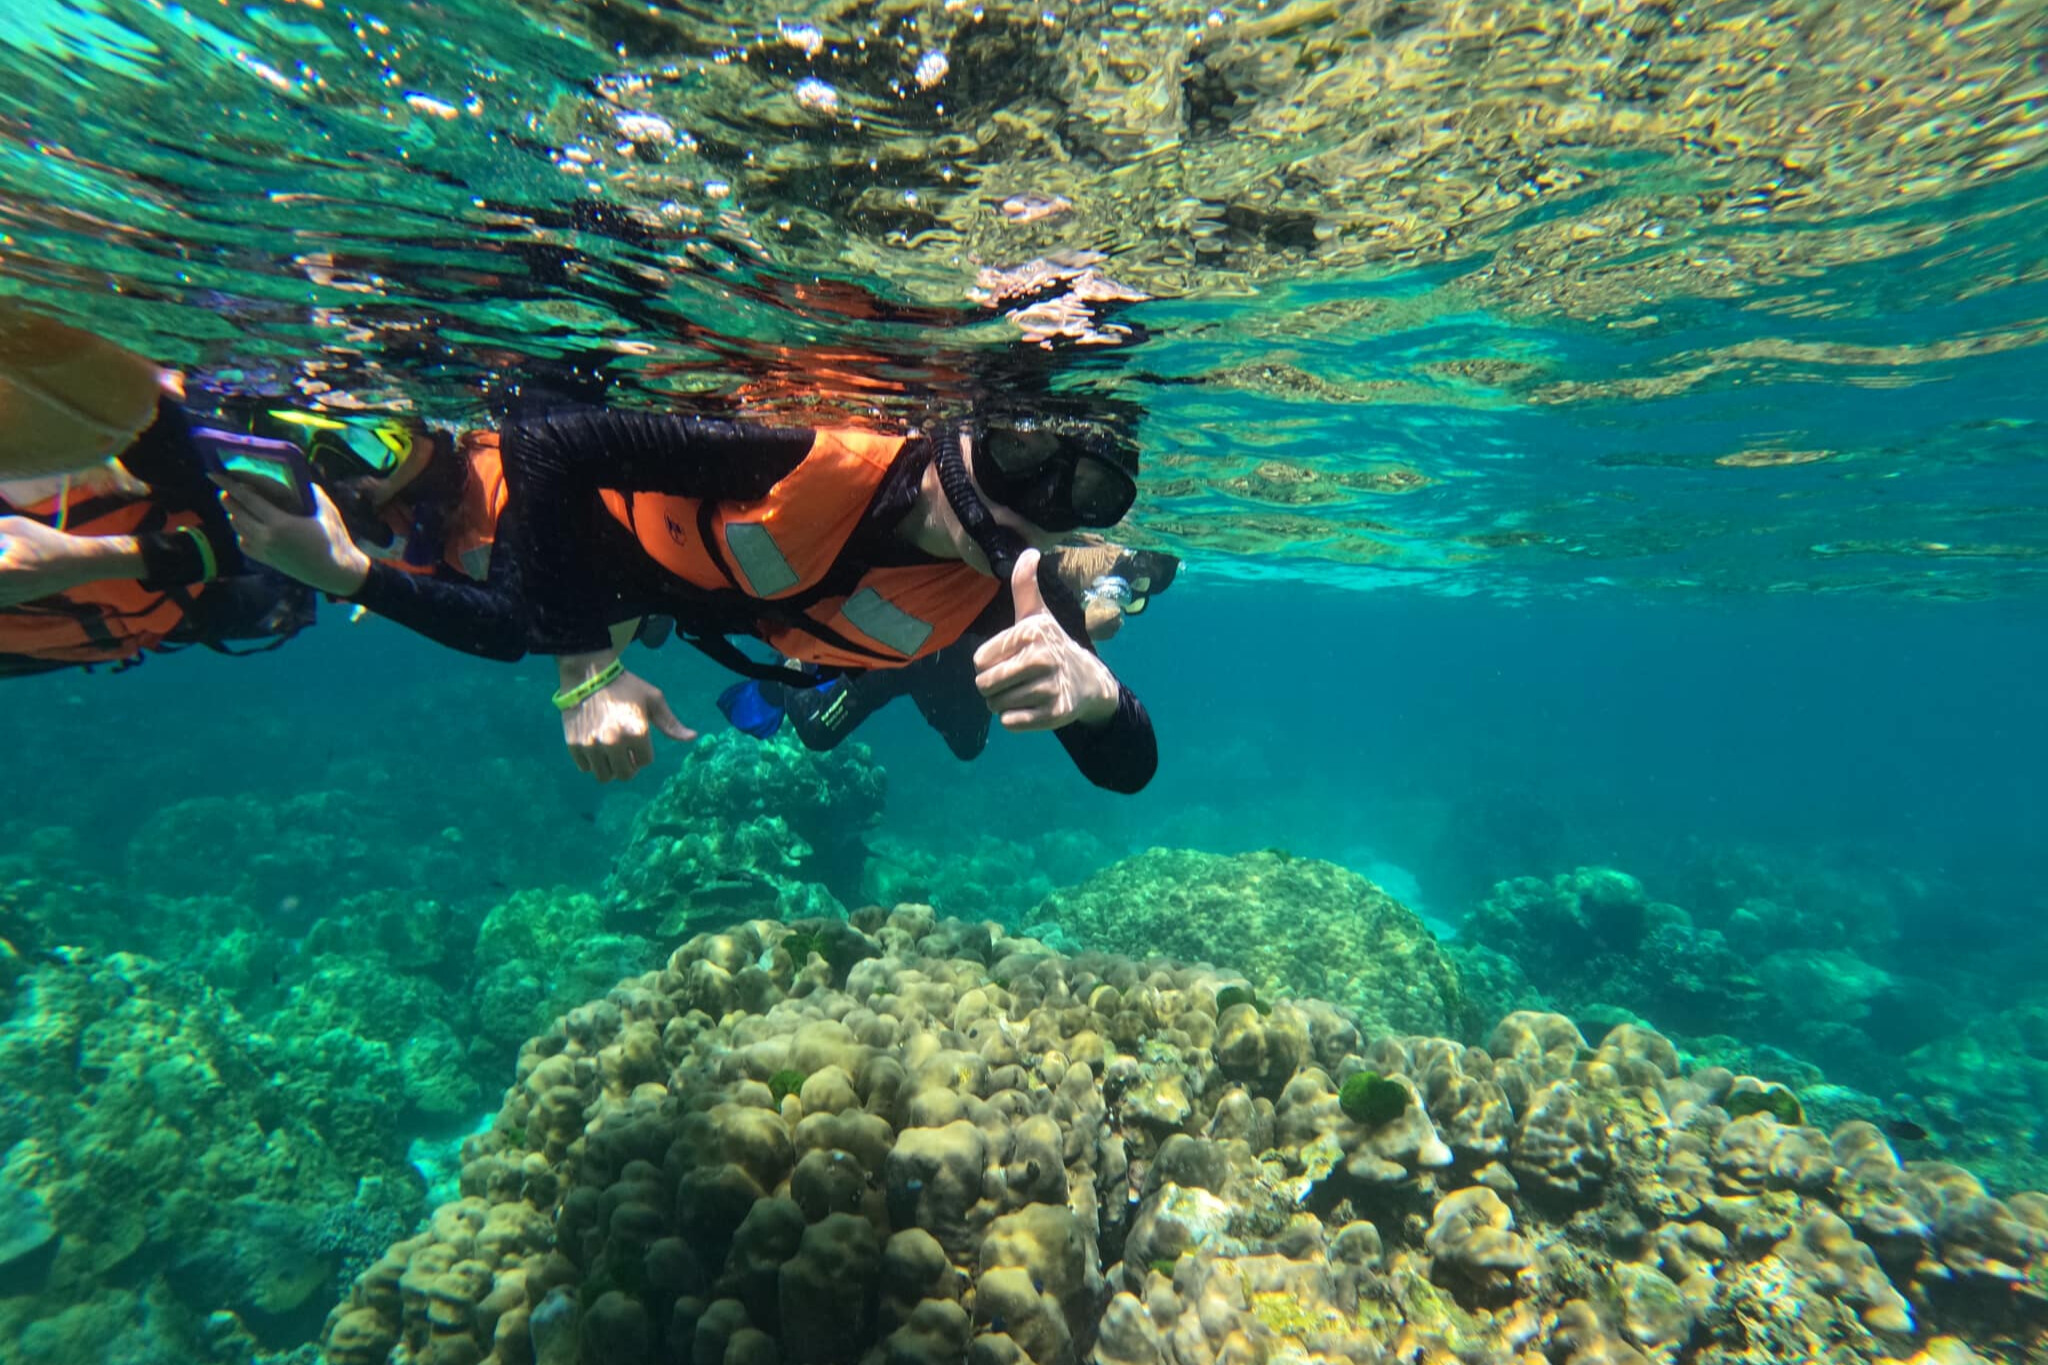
(754, 550)
(475, 562)
(882, 621)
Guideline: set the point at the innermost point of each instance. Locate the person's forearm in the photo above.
(480, 619)
(98, 558)
(587, 664)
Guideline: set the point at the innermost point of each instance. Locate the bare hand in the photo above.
(609, 733)
(316, 550)
(1034, 675)
(39, 561)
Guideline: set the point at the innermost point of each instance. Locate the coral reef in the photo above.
(1795, 975)
(1001, 1154)
(539, 953)
(747, 828)
(985, 877)
(159, 1174)
(1985, 1088)
(1594, 936)
(1290, 924)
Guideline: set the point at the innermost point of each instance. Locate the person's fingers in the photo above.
(1004, 644)
(1023, 700)
(253, 504)
(580, 755)
(639, 752)
(665, 721)
(238, 522)
(601, 763)
(1026, 667)
(1024, 586)
(1030, 718)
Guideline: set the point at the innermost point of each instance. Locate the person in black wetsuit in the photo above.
(846, 550)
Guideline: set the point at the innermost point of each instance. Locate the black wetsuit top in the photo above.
(580, 571)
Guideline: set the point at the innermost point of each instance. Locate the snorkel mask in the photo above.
(344, 448)
(1060, 473)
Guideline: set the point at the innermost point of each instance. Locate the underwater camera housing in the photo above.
(276, 471)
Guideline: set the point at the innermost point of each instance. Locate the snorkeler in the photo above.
(112, 544)
(845, 550)
(404, 523)
(1111, 581)
(842, 549)
(106, 563)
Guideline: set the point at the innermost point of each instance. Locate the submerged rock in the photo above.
(746, 828)
(162, 1171)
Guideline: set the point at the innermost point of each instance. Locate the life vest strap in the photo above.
(725, 653)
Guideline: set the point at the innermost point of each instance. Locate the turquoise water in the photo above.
(1594, 441)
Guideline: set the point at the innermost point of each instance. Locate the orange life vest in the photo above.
(101, 622)
(783, 552)
(472, 526)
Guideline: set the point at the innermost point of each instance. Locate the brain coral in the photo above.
(1005, 1156)
(1288, 923)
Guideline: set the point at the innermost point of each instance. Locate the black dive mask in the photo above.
(1056, 474)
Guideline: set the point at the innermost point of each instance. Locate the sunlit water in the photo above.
(1679, 368)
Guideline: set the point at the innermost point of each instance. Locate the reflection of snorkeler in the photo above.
(1111, 581)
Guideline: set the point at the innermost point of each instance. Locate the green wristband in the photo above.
(571, 697)
(209, 567)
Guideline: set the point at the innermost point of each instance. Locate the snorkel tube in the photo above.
(999, 543)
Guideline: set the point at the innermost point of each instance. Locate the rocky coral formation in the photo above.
(1797, 974)
(747, 828)
(1985, 1088)
(1594, 936)
(906, 1140)
(158, 1173)
(1290, 924)
(540, 953)
(982, 876)
(1810, 972)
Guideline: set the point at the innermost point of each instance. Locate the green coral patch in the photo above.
(1368, 1097)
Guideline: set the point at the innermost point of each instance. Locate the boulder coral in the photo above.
(746, 828)
(1288, 923)
(1002, 1155)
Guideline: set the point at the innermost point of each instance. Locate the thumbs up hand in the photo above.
(1034, 675)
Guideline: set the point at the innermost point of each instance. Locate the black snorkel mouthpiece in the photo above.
(999, 543)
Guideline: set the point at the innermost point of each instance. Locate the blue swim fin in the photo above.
(747, 706)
